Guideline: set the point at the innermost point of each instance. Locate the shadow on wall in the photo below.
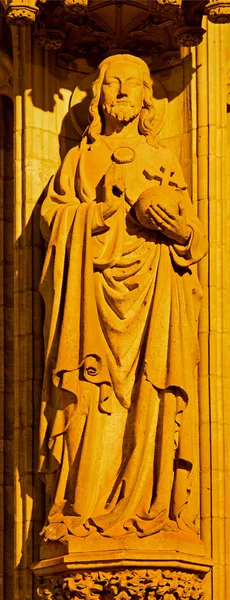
(29, 359)
(21, 313)
(30, 252)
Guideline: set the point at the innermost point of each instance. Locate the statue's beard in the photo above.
(122, 112)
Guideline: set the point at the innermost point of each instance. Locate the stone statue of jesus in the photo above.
(117, 423)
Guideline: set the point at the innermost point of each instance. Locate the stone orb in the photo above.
(167, 196)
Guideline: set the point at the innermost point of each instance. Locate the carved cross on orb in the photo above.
(165, 179)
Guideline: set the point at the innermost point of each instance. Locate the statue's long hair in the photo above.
(146, 120)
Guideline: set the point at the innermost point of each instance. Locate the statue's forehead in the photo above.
(123, 69)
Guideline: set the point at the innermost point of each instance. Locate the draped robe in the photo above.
(118, 440)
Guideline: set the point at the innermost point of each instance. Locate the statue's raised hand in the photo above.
(113, 192)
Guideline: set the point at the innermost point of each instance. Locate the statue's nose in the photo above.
(123, 91)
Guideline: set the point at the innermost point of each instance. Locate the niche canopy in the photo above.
(97, 27)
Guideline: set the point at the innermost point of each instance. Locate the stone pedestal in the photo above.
(122, 574)
(166, 566)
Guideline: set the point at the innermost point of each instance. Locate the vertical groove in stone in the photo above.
(17, 231)
(215, 300)
(200, 137)
(186, 162)
(187, 118)
(8, 418)
(226, 312)
(225, 277)
(218, 259)
(6, 350)
(38, 316)
(2, 382)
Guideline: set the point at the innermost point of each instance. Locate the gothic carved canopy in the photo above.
(145, 27)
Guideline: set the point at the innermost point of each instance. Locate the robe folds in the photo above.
(118, 440)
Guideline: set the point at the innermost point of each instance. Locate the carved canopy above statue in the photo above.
(99, 27)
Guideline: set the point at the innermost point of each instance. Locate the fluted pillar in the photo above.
(209, 189)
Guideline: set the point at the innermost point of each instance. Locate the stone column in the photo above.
(209, 190)
(28, 175)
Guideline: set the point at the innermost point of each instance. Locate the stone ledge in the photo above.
(163, 541)
(120, 559)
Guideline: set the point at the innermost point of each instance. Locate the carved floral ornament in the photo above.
(158, 584)
(78, 26)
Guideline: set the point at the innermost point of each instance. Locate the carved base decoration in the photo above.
(143, 584)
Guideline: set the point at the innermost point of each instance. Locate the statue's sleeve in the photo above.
(61, 192)
(62, 197)
(66, 223)
(197, 247)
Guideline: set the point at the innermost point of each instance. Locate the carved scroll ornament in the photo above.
(156, 584)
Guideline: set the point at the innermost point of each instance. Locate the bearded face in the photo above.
(121, 111)
(122, 92)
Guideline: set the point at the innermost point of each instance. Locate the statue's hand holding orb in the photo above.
(164, 196)
(161, 208)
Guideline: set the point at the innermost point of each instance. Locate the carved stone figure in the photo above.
(118, 442)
